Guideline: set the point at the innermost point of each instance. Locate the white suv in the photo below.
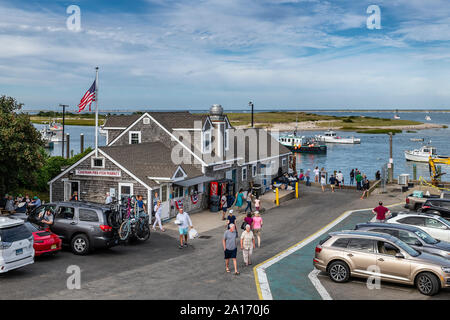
(435, 225)
(16, 244)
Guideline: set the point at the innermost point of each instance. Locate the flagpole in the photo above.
(96, 111)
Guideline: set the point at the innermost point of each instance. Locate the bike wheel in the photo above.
(114, 219)
(124, 230)
(142, 230)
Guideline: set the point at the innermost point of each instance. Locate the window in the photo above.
(177, 191)
(146, 120)
(164, 193)
(207, 141)
(226, 139)
(97, 162)
(135, 137)
(244, 173)
(254, 170)
(16, 233)
(415, 221)
(341, 243)
(387, 248)
(88, 215)
(364, 245)
(65, 213)
(283, 162)
(125, 190)
(433, 223)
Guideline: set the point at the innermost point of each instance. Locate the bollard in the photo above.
(296, 189)
(277, 197)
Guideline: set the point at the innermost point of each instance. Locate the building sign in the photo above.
(98, 173)
(222, 166)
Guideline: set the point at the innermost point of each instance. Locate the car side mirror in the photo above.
(399, 256)
(418, 243)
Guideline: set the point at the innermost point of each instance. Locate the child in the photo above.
(257, 204)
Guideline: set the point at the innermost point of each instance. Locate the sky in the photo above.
(190, 54)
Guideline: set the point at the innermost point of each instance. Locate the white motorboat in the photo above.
(332, 137)
(422, 154)
(428, 118)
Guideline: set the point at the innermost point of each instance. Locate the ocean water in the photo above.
(369, 156)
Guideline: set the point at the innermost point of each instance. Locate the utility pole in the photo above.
(391, 160)
(64, 111)
(250, 104)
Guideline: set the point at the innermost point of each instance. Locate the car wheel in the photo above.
(427, 284)
(80, 244)
(339, 271)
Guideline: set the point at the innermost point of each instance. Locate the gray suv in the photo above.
(82, 225)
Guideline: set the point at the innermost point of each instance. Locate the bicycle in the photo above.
(134, 224)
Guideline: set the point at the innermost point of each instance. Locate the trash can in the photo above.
(257, 190)
(404, 188)
(410, 185)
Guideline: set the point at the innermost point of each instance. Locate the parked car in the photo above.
(16, 245)
(351, 253)
(436, 226)
(411, 235)
(45, 241)
(81, 225)
(415, 203)
(440, 207)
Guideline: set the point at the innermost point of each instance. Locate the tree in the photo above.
(20, 146)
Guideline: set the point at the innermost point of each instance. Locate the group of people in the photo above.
(252, 226)
(228, 202)
(19, 203)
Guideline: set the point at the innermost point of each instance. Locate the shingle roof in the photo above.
(151, 159)
(120, 121)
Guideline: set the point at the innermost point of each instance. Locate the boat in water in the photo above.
(416, 139)
(428, 118)
(396, 116)
(302, 144)
(53, 132)
(423, 154)
(332, 137)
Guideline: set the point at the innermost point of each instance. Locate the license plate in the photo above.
(53, 246)
(19, 251)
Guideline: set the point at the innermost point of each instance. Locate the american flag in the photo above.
(87, 99)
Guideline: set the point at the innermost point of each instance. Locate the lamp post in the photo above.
(64, 111)
(250, 104)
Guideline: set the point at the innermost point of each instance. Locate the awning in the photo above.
(194, 181)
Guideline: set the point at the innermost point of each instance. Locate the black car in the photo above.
(440, 207)
(415, 237)
(81, 225)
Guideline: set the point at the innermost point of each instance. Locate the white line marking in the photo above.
(319, 287)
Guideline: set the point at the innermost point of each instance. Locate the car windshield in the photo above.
(15, 233)
(444, 221)
(425, 237)
(407, 248)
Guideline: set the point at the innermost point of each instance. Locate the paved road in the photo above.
(157, 269)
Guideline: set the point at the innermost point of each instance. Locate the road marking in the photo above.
(259, 271)
(319, 287)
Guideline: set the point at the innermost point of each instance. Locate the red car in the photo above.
(44, 240)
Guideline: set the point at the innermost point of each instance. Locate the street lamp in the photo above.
(250, 104)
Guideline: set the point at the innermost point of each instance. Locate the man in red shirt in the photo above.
(381, 212)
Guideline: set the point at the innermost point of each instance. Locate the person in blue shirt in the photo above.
(141, 205)
(36, 202)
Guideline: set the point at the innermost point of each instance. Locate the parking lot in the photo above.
(157, 269)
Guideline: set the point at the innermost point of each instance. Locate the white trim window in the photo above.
(226, 142)
(98, 162)
(244, 173)
(206, 141)
(254, 170)
(146, 120)
(134, 137)
(125, 189)
(283, 162)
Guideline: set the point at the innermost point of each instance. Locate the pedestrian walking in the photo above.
(249, 201)
(340, 179)
(248, 220)
(257, 224)
(184, 226)
(323, 182)
(333, 182)
(230, 248)
(247, 244)
(381, 213)
(239, 199)
(352, 176)
(157, 210)
(308, 177)
(378, 175)
(365, 187)
(257, 204)
(316, 174)
(224, 205)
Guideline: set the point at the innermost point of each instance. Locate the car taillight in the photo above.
(105, 228)
(425, 207)
(318, 249)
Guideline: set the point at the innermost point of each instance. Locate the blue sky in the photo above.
(170, 54)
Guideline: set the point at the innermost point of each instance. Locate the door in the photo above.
(69, 188)
(165, 203)
(65, 222)
(391, 267)
(361, 253)
(125, 190)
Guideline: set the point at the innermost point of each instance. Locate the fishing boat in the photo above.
(396, 116)
(332, 137)
(301, 144)
(422, 154)
(51, 133)
(428, 118)
(416, 139)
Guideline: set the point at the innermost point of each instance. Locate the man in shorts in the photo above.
(183, 227)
